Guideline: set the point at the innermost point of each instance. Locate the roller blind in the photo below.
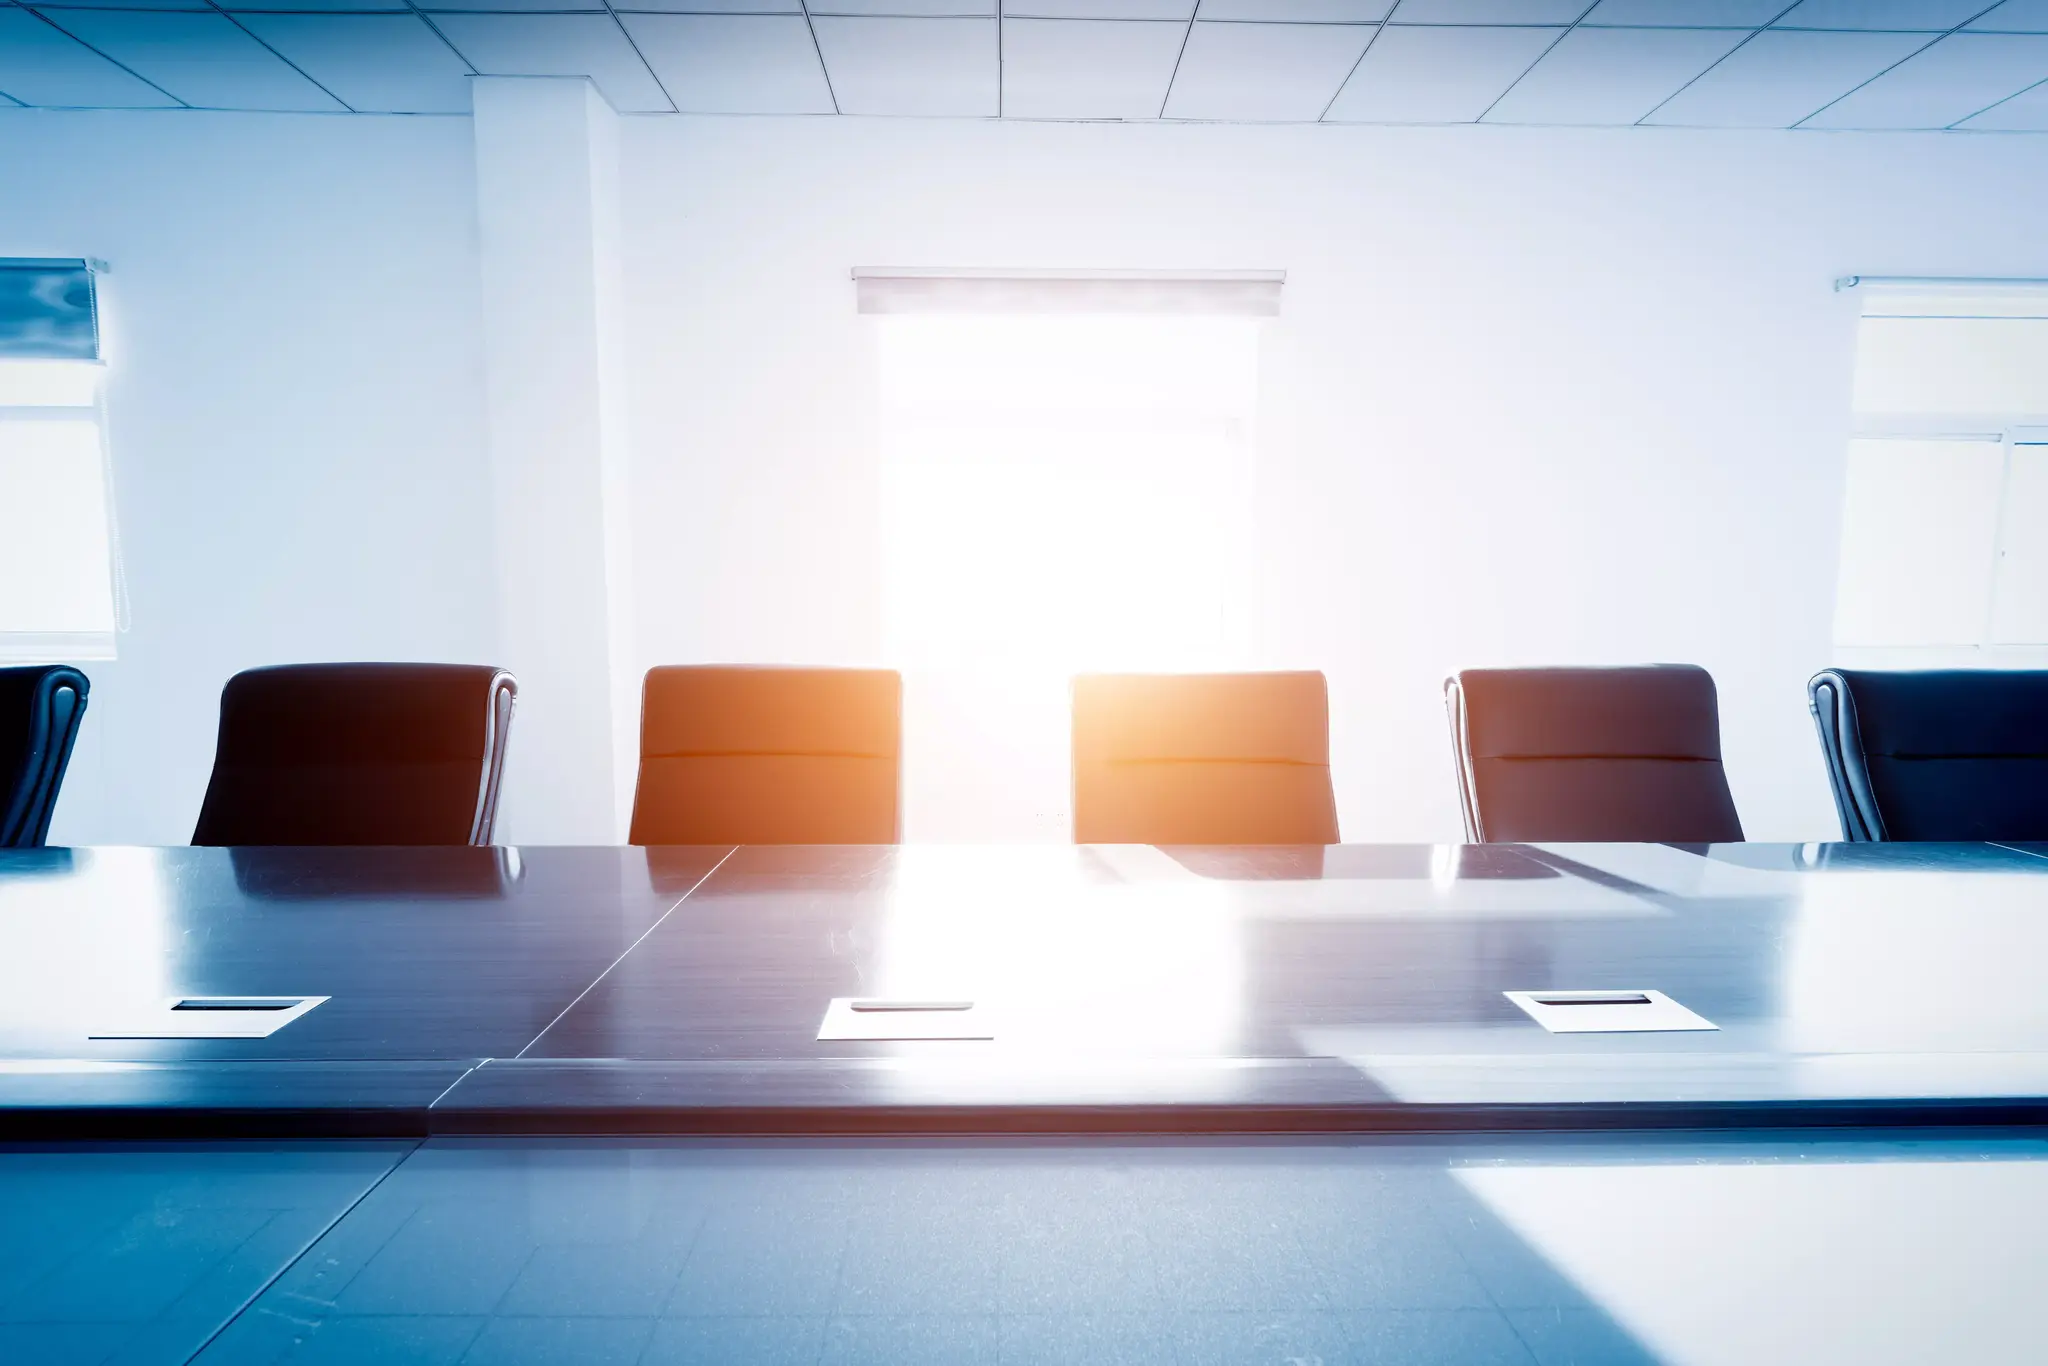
(58, 572)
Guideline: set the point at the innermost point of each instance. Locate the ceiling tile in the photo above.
(316, 6)
(1925, 15)
(1105, 69)
(505, 6)
(1489, 11)
(203, 59)
(710, 6)
(1957, 77)
(1687, 13)
(1099, 9)
(590, 45)
(1778, 78)
(1261, 72)
(1612, 76)
(1298, 11)
(733, 63)
(1437, 75)
(2015, 16)
(911, 66)
(199, 5)
(900, 9)
(41, 66)
(2026, 112)
(376, 63)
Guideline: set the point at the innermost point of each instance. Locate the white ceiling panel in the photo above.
(470, 6)
(203, 59)
(1263, 72)
(1298, 11)
(1100, 9)
(1957, 77)
(1105, 69)
(1687, 13)
(1612, 76)
(1778, 78)
(911, 66)
(316, 6)
(558, 45)
(1927, 15)
(898, 9)
(1490, 11)
(1438, 75)
(711, 6)
(2026, 112)
(41, 66)
(2016, 16)
(733, 64)
(377, 63)
(135, 4)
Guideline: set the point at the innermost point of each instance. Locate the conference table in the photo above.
(1528, 1103)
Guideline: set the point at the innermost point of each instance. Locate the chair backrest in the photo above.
(317, 754)
(1945, 754)
(1203, 759)
(1622, 755)
(40, 710)
(742, 755)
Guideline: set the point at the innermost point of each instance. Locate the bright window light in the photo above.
(57, 583)
(1062, 494)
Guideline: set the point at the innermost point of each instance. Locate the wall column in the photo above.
(547, 197)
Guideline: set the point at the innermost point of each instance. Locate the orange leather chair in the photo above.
(1203, 759)
(737, 755)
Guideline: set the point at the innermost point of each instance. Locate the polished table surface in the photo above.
(1353, 988)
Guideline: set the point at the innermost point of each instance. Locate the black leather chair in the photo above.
(1946, 754)
(1595, 755)
(317, 754)
(40, 709)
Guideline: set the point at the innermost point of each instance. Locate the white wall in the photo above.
(296, 411)
(1536, 396)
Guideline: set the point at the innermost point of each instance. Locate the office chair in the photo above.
(40, 711)
(757, 755)
(1597, 755)
(1944, 754)
(1202, 759)
(323, 754)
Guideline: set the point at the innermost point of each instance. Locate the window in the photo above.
(1941, 557)
(58, 581)
(1063, 492)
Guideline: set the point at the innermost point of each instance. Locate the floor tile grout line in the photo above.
(311, 1243)
(660, 920)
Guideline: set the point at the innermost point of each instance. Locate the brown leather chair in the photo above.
(738, 755)
(1202, 759)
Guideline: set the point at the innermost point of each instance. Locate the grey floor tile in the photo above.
(921, 1260)
(757, 1341)
(572, 1341)
(1094, 1339)
(1434, 1337)
(1393, 1264)
(373, 1340)
(1067, 1264)
(911, 1340)
(624, 1279)
(755, 1261)
(449, 1258)
(61, 1344)
(136, 1270)
(1577, 1337)
(1232, 1259)
(1260, 1340)
(1515, 1275)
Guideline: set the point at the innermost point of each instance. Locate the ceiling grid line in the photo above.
(655, 76)
(428, 21)
(1538, 62)
(105, 58)
(1901, 62)
(1186, 34)
(1957, 126)
(1338, 93)
(1002, 18)
(823, 70)
(258, 40)
(1748, 38)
